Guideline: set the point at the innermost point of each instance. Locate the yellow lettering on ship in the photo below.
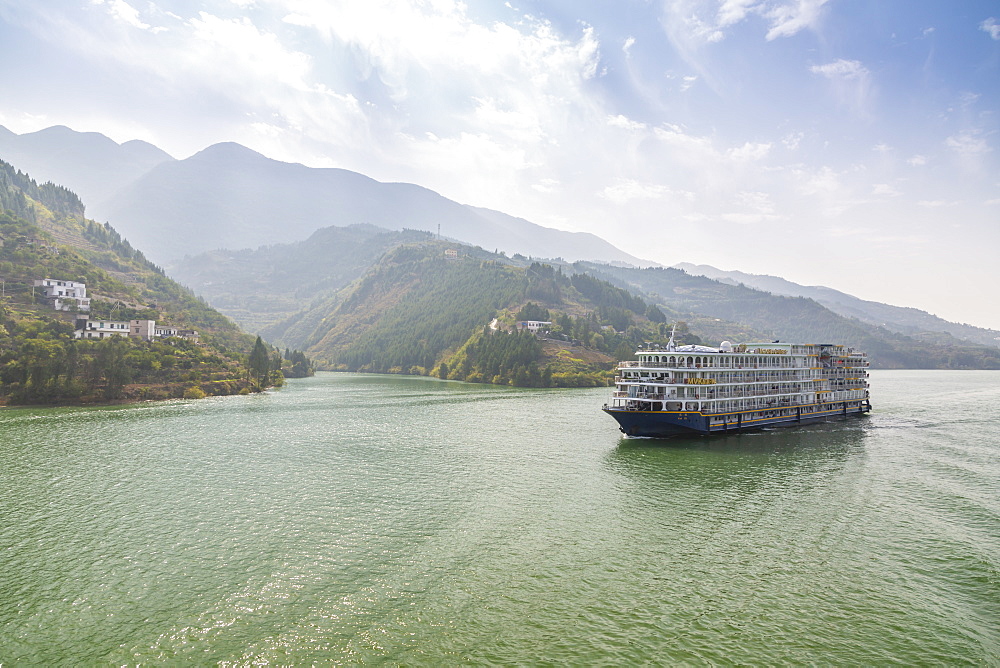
(699, 381)
(771, 351)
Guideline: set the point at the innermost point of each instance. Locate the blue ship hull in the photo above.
(664, 424)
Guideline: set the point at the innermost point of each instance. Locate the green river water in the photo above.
(350, 519)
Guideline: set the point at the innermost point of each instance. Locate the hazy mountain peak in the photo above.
(61, 133)
(138, 147)
(904, 320)
(231, 196)
(229, 150)
(88, 163)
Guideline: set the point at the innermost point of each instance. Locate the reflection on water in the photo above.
(751, 456)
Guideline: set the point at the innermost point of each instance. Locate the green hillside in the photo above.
(418, 311)
(258, 288)
(44, 234)
(796, 319)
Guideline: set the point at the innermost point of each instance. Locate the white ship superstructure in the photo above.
(700, 389)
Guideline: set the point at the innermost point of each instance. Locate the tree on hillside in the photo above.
(532, 311)
(259, 364)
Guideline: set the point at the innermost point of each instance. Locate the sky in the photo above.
(844, 143)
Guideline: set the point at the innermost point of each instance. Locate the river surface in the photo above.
(351, 519)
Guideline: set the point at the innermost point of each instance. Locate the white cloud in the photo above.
(841, 69)
(792, 140)
(692, 22)
(747, 218)
(934, 203)
(885, 190)
(790, 18)
(850, 81)
(917, 160)
(546, 186)
(757, 207)
(496, 165)
(734, 11)
(967, 144)
(629, 43)
(825, 190)
(759, 202)
(516, 89)
(237, 49)
(122, 11)
(400, 40)
(684, 147)
(619, 121)
(520, 124)
(750, 152)
(991, 28)
(626, 190)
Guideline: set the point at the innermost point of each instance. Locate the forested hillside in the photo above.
(796, 319)
(258, 288)
(419, 311)
(43, 234)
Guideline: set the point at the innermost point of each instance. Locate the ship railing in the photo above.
(716, 394)
(757, 405)
(631, 364)
(763, 378)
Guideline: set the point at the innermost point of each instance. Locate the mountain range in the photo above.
(262, 239)
(88, 163)
(295, 295)
(228, 196)
(904, 320)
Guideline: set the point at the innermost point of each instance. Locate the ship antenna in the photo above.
(670, 343)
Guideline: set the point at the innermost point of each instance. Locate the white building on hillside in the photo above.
(102, 329)
(64, 295)
(162, 331)
(146, 330)
(533, 325)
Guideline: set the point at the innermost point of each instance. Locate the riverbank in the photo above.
(138, 393)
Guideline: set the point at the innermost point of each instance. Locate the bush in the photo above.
(194, 392)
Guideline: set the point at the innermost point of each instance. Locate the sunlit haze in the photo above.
(830, 142)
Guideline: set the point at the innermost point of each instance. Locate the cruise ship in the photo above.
(676, 390)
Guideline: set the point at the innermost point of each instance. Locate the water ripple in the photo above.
(360, 519)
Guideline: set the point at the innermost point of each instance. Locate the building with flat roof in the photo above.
(146, 330)
(64, 295)
(533, 325)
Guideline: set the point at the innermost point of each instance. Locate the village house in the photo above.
(533, 326)
(64, 295)
(140, 329)
(162, 332)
